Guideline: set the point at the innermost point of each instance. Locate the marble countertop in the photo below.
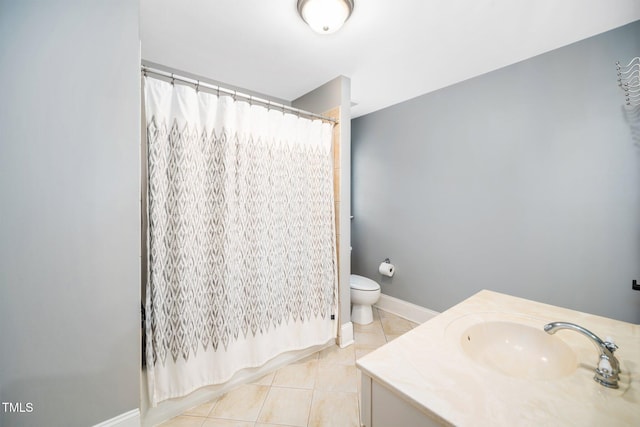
(428, 368)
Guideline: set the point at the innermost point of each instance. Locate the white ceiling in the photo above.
(392, 50)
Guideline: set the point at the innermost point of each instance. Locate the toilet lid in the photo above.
(362, 283)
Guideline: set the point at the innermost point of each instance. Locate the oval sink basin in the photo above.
(518, 350)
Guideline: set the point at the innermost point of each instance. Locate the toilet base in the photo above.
(361, 314)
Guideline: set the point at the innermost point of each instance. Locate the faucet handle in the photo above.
(611, 346)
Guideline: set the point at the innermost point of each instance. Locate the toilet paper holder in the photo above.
(386, 268)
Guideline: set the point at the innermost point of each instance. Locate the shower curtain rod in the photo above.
(250, 98)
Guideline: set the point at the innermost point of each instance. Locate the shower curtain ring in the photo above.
(173, 79)
(197, 85)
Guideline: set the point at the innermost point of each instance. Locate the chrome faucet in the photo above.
(608, 366)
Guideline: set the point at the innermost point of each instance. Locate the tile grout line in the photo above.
(264, 401)
(313, 396)
(215, 403)
(313, 392)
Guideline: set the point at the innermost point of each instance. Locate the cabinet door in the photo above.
(389, 410)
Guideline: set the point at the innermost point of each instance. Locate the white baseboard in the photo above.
(346, 335)
(404, 309)
(128, 419)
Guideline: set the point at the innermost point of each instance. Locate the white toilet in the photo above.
(364, 293)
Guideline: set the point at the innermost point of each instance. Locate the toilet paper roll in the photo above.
(387, 269)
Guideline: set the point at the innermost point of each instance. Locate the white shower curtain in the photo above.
(241, 242)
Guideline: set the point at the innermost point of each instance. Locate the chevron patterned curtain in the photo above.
(241, 240)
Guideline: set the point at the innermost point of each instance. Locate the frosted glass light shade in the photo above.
(325, 16)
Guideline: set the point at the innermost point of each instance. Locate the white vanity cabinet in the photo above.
(430, 376)
(382, 407)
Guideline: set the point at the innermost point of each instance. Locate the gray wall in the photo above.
(69, 210)
(524, 180)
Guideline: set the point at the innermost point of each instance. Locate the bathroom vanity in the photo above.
(488, 362)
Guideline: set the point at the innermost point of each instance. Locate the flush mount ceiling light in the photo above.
(325, 16)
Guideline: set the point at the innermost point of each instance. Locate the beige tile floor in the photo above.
(320, 390)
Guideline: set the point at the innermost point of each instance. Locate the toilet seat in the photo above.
(363, 283)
